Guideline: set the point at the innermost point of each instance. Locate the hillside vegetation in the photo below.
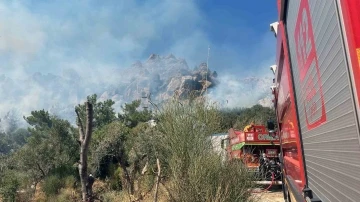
(130, 159)
(238, 118)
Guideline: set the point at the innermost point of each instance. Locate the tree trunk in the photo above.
(83, 172)
(130, 183)
(84, 140)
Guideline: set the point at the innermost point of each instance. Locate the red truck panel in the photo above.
(351, 28)
(286, 111)
(325, 69)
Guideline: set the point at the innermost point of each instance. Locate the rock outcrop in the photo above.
(158, 77)
(162, 77)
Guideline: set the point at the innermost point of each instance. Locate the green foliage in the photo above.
(240, 117)
(9, 184)
(39, 120)
(115, 180)
(103, 111)
(51, 148)
(5, 143)
(19, 137)
(120, 149)
(229, 118)
(113, 196)
(187, 157)
(131, 116)
(11, 137)
(60, 189)
(257, 114)
(52, 185)
(109, 145)
(70, 181)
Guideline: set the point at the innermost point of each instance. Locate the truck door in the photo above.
(324, 92)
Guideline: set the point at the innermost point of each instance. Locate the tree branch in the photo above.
(41, 170)
(89, 123)
(80, 126)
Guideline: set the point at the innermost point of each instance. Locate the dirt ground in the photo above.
(273, 195)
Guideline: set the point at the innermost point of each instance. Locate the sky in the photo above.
(50, 36)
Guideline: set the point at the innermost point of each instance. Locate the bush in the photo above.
(9, 184)
(195, 171)
(257, 114)
(114, 196)
(99, 187)
(70, 182)
(65, 195)
(52, 185)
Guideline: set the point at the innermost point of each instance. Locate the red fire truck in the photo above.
(258, 150)
(316, 95)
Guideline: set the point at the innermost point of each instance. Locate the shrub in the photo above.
(52, 185)
(65, 195)
(114, 196)
(9, 184)
(196, 172)
(70, 182)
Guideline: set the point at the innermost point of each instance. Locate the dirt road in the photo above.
(273, 195)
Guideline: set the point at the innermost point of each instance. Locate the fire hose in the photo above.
(272, 182)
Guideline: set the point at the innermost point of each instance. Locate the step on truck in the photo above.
(316, 96)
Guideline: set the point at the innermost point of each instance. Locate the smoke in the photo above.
(9, 122)
(83, 48)
(246, 88)
(233, 92)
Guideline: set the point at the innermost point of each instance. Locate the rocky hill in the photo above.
(159, 78)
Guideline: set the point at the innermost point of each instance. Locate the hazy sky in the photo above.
(53, 35)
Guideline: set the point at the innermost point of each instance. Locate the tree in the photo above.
(9, 123)
(5, 145)
(113, 145)
(19, 137)
(257, 114)
(229, 118)
(131, 116)
(50, 147)
(103, 111)
(84, 140)
(9, 184)
(11, 137)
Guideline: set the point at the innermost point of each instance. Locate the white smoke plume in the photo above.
(79, 50)
(234, 92)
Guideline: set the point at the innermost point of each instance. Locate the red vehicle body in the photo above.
(258, 150)
(316, 97)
